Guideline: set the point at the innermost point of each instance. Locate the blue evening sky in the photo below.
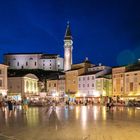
(105, 31)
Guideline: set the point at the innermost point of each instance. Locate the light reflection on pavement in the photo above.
(71, 123)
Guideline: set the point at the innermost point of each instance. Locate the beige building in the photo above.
(23, 85)
(132, 84)
(118, 84)
(3, 80)
(56, 87)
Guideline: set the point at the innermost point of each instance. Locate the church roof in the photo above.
(68, 35)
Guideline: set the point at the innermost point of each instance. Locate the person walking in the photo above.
(25, 104)
(10, 106)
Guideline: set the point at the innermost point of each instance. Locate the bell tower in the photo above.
(68, 48)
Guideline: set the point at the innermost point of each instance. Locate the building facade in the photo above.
(23, 85)
(118, 83)
(52, 62)
(104, 85)
(56, 88)
(3, 80)
(132, 85)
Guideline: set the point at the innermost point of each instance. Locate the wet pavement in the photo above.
(71, 123)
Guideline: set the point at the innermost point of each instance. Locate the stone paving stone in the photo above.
(72, 123)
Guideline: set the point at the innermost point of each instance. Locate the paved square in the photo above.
(71, 123)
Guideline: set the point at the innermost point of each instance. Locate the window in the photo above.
(0, 83)
(54, 84)
(131, 86)
(9, 63)
(43, 64)
(17, 63)
(92, 85)
(79, 85)
(79, 79)
(83, 78)
(87, 78)
(27, 85)
(26, 63)
(127, 74)
(50, 60)
(92, 77)
(35, 86)
(50, 64)
(0, 71)
(87, 85)
(50, 67)
(135, 74)
(35, 63)
(83, 85)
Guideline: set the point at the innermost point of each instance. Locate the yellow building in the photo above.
(52, 87)
(118, 84)
(56, 87)
(132, 84)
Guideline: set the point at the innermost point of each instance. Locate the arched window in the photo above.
(27, 85)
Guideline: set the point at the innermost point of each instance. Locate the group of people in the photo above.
(11, 105)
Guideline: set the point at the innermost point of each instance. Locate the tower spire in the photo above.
(68, 35)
